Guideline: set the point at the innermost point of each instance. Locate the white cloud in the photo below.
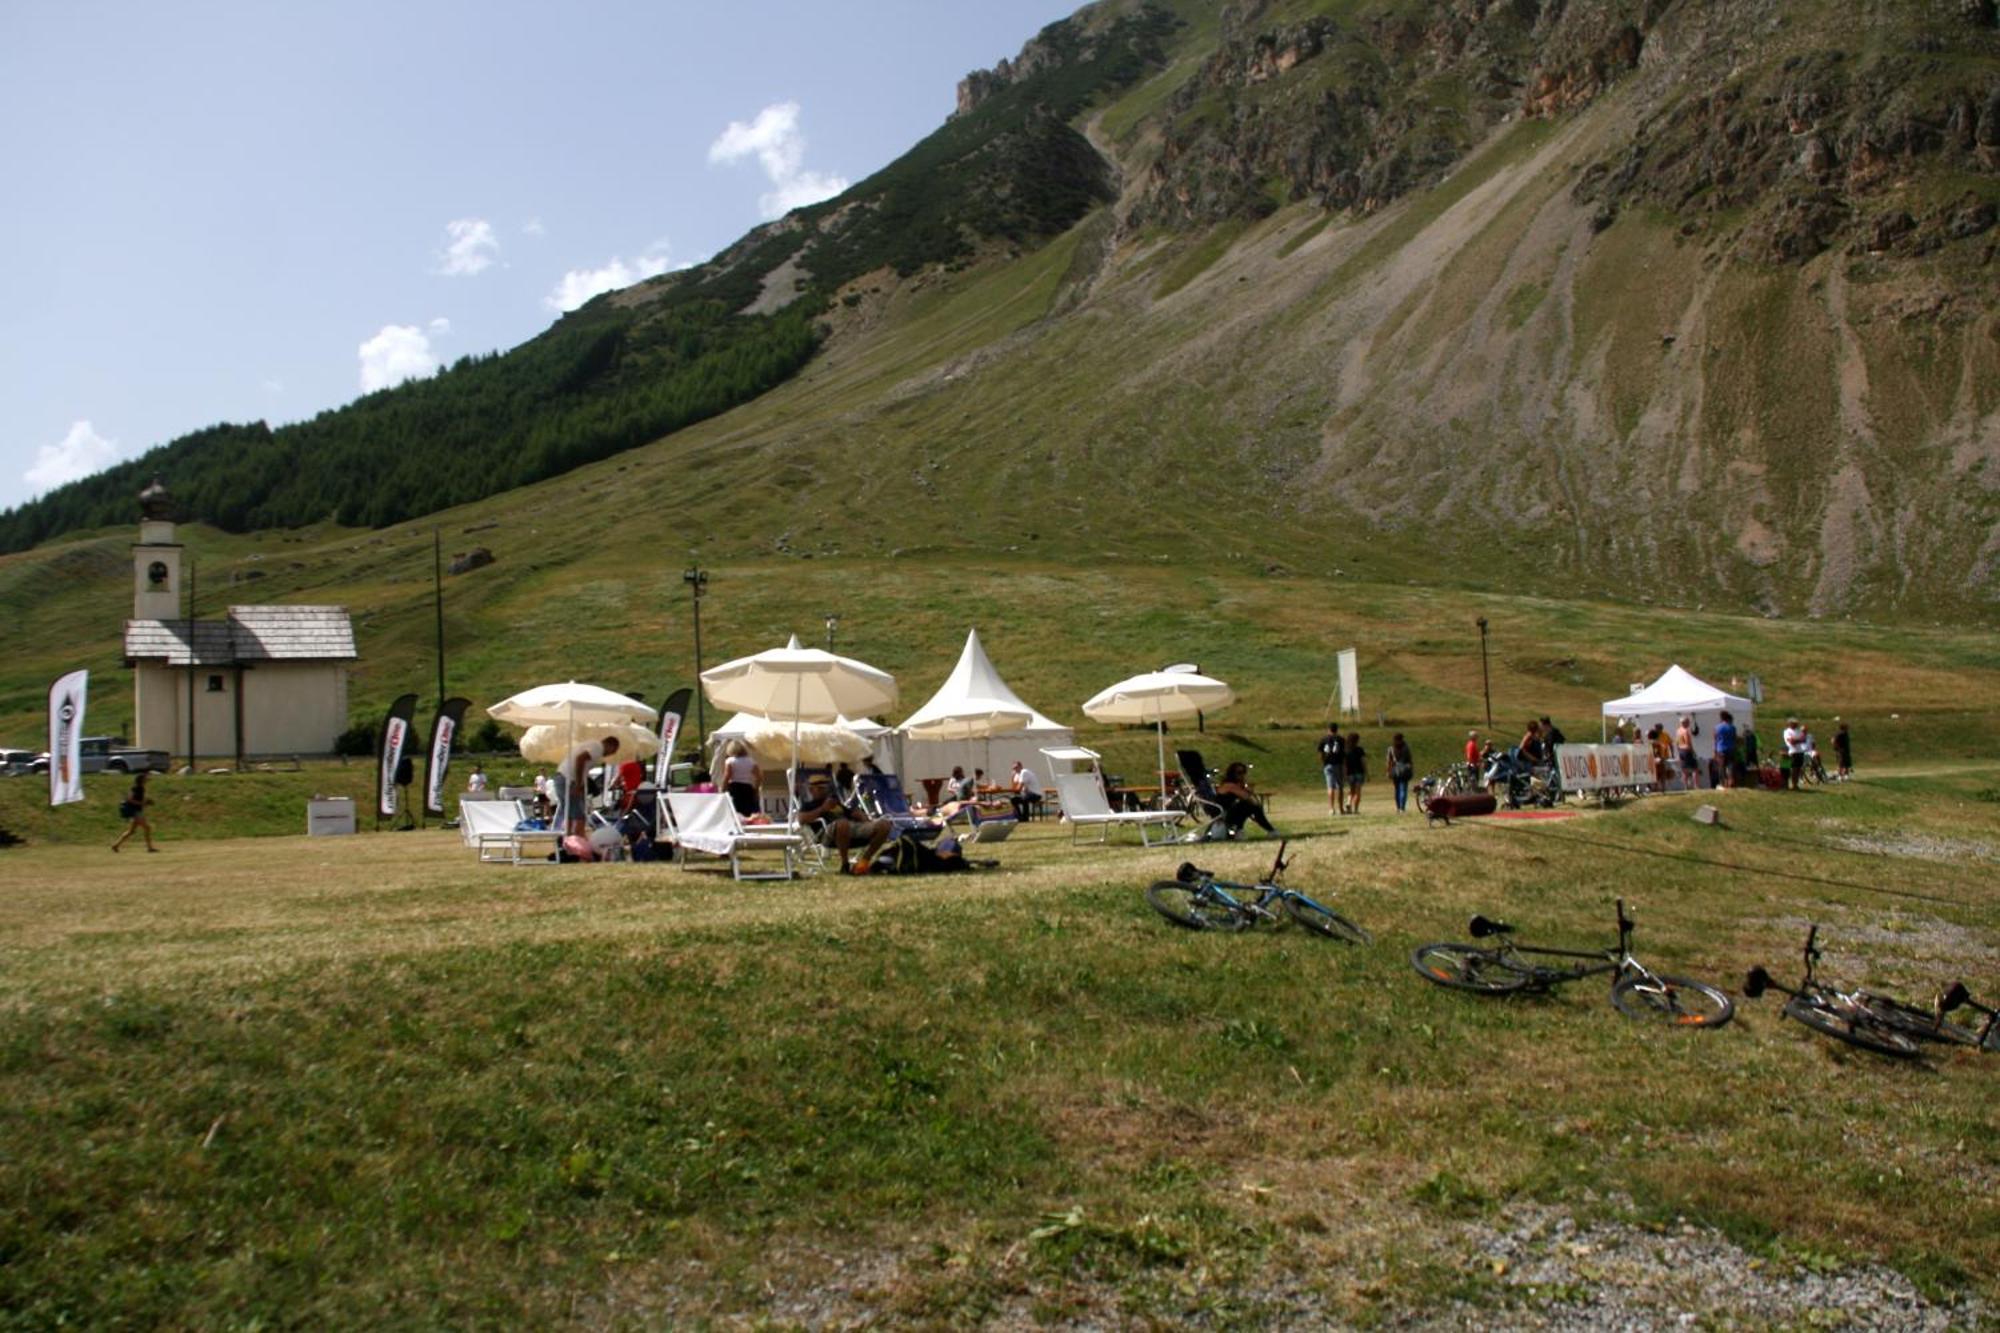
(399, 352)
(534, 227)
(580, 284)
(470, 247)
(440, 326)
(81, 452)
(775, 140)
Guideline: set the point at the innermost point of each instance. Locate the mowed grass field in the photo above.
(291, 1082)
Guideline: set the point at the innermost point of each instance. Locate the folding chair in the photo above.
(1085, 805)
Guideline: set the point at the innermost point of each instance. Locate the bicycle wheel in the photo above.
(1674, 1000)
(1186, 905)
(1855, 1029)
(1914, 1022)
(1469, 967)
(1324, 920)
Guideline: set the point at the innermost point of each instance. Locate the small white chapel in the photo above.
(255, 681)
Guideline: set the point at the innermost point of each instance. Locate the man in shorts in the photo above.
(1333, 763)
(840, 826)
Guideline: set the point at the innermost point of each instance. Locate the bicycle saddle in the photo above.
(1481, 928)
(1190, 872)
(1756, 983)
(1953, 998)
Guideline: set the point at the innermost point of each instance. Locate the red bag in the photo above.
(1457, 805)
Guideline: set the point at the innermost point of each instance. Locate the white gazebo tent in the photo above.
(1676, 694)
(974, 708)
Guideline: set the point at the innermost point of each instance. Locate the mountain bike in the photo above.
(1445, 782)
(1874, 1022)
(1197, 900)
(1510, 967)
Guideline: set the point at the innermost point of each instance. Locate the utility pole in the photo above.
(1485, 680)
(193, 662)
(437, 596)
(697, 578)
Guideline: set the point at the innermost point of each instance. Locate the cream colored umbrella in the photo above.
(799, 685)
(793, 743)
(546, 744)
(1159, 697)
(569, 705)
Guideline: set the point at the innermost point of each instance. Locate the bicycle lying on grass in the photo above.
(1876, 1022)
(1197, 900)
(1510, 967)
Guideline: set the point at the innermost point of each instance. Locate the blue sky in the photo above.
(238, 211)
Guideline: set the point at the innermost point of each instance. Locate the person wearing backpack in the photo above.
(1402, 767)
(1333, 763)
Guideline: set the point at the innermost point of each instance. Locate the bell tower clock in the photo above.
(156, 558)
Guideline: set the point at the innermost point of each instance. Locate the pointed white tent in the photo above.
(974, 718)
(1680, 693)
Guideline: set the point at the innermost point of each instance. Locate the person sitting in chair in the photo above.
(1240, 802)
(1025, 790)
(839, 826)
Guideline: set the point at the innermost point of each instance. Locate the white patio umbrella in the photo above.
(544, 744)
(569, 705)
(808, 743)
(799, 685)
(1159, 697)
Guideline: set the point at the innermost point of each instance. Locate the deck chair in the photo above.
(1084, 805)
(706, 822)
(492, 828)
(972, 825)
(882, 797)
(1199, 799)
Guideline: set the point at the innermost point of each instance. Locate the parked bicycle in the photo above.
(1510, 967)
(1875, 1022)
(1198, 900)
(1447, 781)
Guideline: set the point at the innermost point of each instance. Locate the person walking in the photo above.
(1402, 767)
(133, 811)
(1333, 764)
(1843, 751)
(1357, 771)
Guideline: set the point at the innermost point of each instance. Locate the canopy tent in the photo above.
(974, 720)
(1679, 693)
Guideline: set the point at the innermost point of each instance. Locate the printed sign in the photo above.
(66, 700)
(1350, 684)
(1598, 767)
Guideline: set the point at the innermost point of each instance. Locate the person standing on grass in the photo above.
(1401, 768)
(133, 811)
(1727, 756)
(1843, 751)
(1684, 751)
(1795, 753)
(1333, 764)
(1357, 770)
(576, 792)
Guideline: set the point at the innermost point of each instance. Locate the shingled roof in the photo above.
(248, 634)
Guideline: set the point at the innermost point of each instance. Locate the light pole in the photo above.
(832, 624)
(1485, 680)
(697, 578)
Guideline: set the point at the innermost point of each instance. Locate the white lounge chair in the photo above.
(706, 822)
(492, 829)
(1084, 805)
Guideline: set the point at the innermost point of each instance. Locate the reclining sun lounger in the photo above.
(882, 796)
(492, 828)
(706, 822)
(1084, 805)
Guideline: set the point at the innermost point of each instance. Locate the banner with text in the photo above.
(66, 699)
(395, 736)
(1350, 683)
(449, 719)
(671, 713)
(1598, 767)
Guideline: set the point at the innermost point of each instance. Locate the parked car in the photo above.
(110, 753)
(16, 761)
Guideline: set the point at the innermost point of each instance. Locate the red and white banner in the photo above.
(671, 714)
(1597, 767)
(389, 754)
(66, 699)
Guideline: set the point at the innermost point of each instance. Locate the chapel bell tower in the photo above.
(156, 558)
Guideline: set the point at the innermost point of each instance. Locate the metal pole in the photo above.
(192, 663)
(697, 579)
(1485, 679)
(832, 624)
(437, 594)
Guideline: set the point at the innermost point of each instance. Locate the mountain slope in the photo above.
(1620, 298)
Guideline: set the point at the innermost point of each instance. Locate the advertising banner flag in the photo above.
(671, 714)
(389, 753)
(450, 717)
(66, 699)
(1350, 683)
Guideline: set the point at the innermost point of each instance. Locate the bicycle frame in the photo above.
(1257, 897)
(1616, 960)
